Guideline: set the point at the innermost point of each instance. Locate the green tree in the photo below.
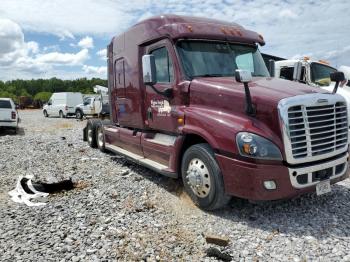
(43, 96)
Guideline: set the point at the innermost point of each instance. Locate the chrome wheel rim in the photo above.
(198, 178)
(90, 135)
(100, 138)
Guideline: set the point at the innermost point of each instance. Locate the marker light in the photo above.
(323, 62)
(180, 120)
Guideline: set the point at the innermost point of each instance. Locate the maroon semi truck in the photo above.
(192, 98)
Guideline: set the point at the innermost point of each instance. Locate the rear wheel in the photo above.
(100, 138)
(78, 114)
(91, 135)
(202, 178)
(45, 113)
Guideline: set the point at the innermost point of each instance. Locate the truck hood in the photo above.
(265, 90)
(226, 96)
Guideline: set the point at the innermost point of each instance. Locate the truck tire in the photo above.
(79, 114)
(202, 178)
(100, 139)
(91, 134)
(61, 114)
(46, 114)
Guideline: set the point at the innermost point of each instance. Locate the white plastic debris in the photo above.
(20, 195)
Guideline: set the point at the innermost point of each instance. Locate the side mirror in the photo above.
(243, 76)
(337, 77)
(272, 67)
(298, 66)
(49, 103)
(149, 70)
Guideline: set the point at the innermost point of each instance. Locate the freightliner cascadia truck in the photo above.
(191, 98)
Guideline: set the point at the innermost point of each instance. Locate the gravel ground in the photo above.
(121, 211)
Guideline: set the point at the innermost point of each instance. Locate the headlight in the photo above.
(254, 146)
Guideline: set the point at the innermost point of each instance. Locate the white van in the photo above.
(62, 104)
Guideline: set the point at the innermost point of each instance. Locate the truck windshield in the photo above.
(211, 59)
(320, 74)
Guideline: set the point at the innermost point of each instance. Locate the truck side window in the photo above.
(287, 73)
(164, 65)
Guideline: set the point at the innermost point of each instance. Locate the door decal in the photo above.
(161, 107)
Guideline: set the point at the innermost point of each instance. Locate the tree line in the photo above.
(41, 89)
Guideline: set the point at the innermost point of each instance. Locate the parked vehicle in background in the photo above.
(62, 104)
(26, 102)
(313, 73)
(181, 105)
(93, 105)
(8, 114)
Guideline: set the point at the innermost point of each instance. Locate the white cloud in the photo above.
(96, 70)
(86, 42)
(57, 58)
(33, 47)
(18, 57)
(102, 54)
(287, 13)
(11, 41)
(290, 28)
(67, 18)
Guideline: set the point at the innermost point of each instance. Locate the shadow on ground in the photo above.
(12, 132)
(307, 215)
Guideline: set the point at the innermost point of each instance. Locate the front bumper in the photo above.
(246, 180)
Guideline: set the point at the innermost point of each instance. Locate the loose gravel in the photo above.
(121, 211)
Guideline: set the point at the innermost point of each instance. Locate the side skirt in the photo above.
(153, 165)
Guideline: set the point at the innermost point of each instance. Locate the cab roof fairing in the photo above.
(178, 27)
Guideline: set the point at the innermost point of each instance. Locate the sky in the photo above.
(67, 38)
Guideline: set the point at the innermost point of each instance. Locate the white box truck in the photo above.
(93, 105)
(62, 104)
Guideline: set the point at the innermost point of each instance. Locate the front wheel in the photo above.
(78, 114)
(45, 113)
(202, 178)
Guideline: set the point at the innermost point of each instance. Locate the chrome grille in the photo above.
(317, 130)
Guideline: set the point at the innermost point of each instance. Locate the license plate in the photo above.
(323, 187)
